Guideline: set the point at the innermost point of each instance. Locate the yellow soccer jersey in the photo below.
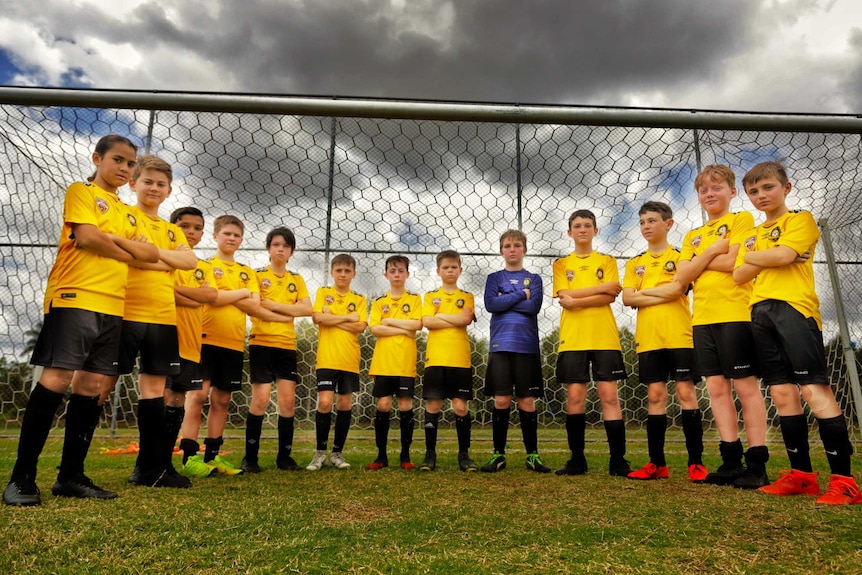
(190, 319)
(80, 278)
(666, 325)
(717, 298)
(150, 293)
(286, 289)
(395, 354)
(224, 326)
(793, 283)
(591, 328)
(448, 347)
(337, 348)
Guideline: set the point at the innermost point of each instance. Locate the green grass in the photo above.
(395, 521)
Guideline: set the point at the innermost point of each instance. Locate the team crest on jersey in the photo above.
(101, 205)
(775, 234)
(330, 300)
(459, 304)
(385, 309)
(600, 274)
(695, 241)
(640, 271)
(570, 275)
(436, 302)
(722, 229)
(243, 276)
(749, 242)
(199, 274)
(669, 267)
(132, 220)
(171, 235)
(351, 307)
(266, 284)
(291, 288)
(526, 282)
(218, 273)
(405, 308)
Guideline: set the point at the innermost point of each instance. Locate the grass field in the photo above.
(395, 521)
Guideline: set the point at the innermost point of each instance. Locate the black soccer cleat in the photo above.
(497, 462)
(726, 474)
(430, 461)
(82, 487)
(574, 466)
(249, 466)
(619, 467)
(22, 493)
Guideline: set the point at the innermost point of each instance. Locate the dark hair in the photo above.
(513, 235)
(395, 260)
(186, 211)
(660, 208)
(343, 259)
(104, 145)
(448, 255)
(285, 233)
(585, 214)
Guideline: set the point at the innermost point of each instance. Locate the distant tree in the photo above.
(31, 337)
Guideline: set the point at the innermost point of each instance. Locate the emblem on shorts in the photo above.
(291, 288)
(243, 276)
(570, 275)
(775, 234)
(102, 205)
(218, 273)
(749, 242)
(640, 271)
(132, 220)
(695, 241)
(600, 274)
(351, 307)
(385, 309)
(722, 229)
(459, 303)
(171, 235)
(199, 274)
(266, 284)
(526, 282)
(405, 308)
(669, 267)
(436, 302)
(330, 300)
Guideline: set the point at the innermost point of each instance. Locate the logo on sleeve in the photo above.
(640, 271)
(171, 235)
(722, 229)
(436, 302)
(570, 275)
(695, 241)
(775, 234)
(405, 308)
(291, 287)
(101, 205)
(749, 242)
(600, 274)
(351, 307)
(266, 284)
(459, 304)
(218, 273)
(330, 300)
(527, 282)
(670, 266)
(385, 309)
(132, 220)
(199, 274)
(243, 276)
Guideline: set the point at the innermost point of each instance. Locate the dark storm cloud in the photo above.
(503, 50)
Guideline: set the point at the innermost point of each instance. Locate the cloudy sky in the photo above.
(751, 55)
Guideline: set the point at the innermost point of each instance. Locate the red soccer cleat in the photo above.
(650, 471)
(697, 473)
(793, 482)
(842, 490)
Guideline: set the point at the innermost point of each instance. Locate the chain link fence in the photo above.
(375, 187)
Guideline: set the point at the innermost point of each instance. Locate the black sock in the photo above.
(794, 430)
(95, 417)
(79, 418)
(381, 432)
(616, 432)
(836, 442)
(322, 423)
(342, 426)
(576, 430)
(463, 427)
(692, 428)
(406, 424)
(38, 420)
(173, 423)
(189, 447)
(500, 428)
(656, 428)
(731, 452)
(431, 420)
(212, 445)
(529, 430)
(151, 429)
(285, 437)
(253, 430)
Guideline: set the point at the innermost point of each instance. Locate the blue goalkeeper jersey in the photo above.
(514, 318)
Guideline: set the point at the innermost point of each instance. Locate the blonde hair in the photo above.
(155, 163)
(227, 220)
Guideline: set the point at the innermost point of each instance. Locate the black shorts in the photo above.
(443, 382)
(157, 344)
(78, 339)
(662, 365)
(574, 366)
(222, 367)
(521, 371)
(341, 382)
(190, 377)
(267, 364)
(388, 385)
(789, 345)
(725, 349)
